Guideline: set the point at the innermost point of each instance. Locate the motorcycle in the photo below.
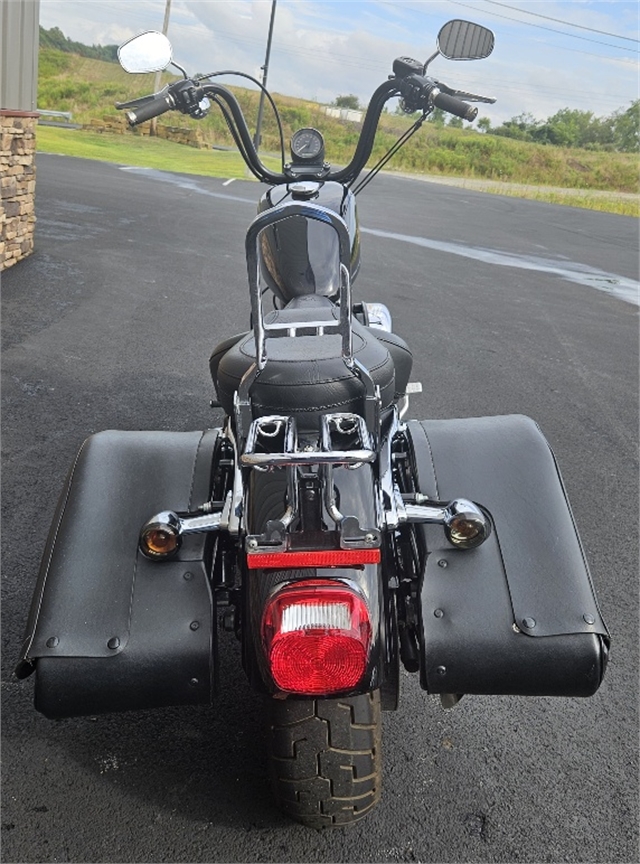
(338, 539)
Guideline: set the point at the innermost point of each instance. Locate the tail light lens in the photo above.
(316, 636)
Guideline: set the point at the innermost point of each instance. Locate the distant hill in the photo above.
(55, 38)
(72, 79)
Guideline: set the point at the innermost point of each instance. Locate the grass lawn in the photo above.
(165, 155)
(143, 152)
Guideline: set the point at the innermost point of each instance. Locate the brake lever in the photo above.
(472, 97)
(462, 94)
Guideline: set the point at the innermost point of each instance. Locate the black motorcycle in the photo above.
(335, 537)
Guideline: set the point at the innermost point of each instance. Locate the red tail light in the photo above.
(316, 635)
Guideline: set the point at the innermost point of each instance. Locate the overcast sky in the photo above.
(324, 48)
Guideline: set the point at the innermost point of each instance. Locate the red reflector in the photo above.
(316, 635)
(320, 558)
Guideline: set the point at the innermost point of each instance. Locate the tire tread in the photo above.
(326, 758)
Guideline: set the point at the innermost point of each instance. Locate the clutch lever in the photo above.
(135, 103)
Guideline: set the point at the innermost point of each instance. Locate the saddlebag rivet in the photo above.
(529, 623)
(588, 619)
(188, 575)
(194, 682)
(441, 670)
(194, 625)
(113, 643)
(52, 643)
(439, 613)
(443, 562)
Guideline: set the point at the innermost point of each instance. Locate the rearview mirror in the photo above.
(464, 40)
(148, 52)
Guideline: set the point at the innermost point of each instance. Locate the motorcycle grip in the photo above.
(455, 106)
(151, 109)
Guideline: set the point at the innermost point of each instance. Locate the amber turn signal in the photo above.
(467, 526)
(160, 537)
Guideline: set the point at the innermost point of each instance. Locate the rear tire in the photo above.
(326, 758)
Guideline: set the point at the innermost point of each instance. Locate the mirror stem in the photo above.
(433, 57)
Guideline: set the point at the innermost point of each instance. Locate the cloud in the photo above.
(323, 48)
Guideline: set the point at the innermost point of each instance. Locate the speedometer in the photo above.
(307, 145)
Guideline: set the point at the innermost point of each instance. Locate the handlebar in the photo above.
(454, 106)
(418, 93)
(158, 104)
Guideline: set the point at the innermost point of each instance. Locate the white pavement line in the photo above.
(226, 182)
(582, 274)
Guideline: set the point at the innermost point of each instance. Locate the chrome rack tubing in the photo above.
(345, 316)
(391, 503)
(235, 513)
(366, 445)
(330, 496)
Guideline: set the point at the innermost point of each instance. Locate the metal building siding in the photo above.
(19, 37)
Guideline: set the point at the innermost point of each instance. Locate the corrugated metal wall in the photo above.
(19, 36)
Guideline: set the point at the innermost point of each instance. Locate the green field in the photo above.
(89, 88)
(142, 152)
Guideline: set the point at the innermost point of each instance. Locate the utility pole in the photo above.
(256, 140)
(153, 128)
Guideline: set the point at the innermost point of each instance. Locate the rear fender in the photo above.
(355, 494)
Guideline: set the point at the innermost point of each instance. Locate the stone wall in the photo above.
(117, 124)
(18, 185)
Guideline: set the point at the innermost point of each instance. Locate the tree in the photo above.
(55, 38)
(455, 122)
(625, 126)
(349, 101)
(437, 117)
(484, 124)
(568, 127)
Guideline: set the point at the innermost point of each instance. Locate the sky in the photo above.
(549, 54)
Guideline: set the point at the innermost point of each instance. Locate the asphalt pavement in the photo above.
(510, 307)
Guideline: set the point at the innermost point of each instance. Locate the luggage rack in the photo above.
(272, 442)
(344, 441)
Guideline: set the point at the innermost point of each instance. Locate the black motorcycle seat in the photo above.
(305, 376)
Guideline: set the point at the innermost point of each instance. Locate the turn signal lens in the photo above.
(316, 635)
(160, 537)
(159, 541)
(463, 530)
(466, 525)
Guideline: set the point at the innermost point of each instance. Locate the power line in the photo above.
(559, 21)
(511, 86)
(346, 59)
(550, 29)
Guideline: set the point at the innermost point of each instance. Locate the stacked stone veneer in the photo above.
(117, 124)
(18, 185)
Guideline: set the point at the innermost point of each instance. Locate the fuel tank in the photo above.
(300, 256)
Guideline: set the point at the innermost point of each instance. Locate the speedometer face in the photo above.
(307, 145)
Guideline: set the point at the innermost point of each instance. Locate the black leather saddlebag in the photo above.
(518, 615)
(110, 630)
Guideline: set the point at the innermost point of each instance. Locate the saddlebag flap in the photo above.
(110, 630)
(518, 615)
